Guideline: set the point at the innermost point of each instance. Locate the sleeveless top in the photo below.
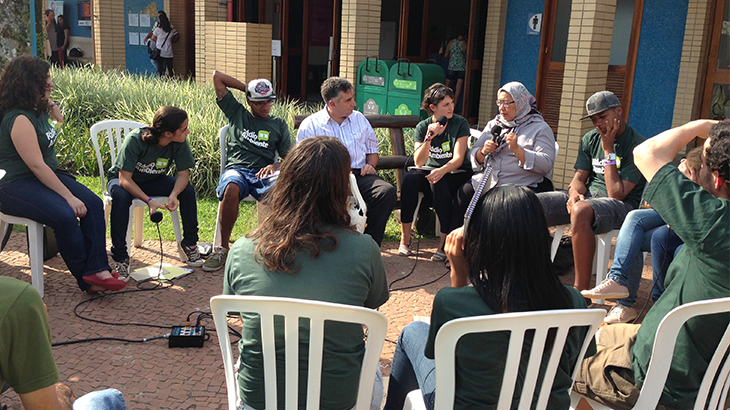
(457, 59)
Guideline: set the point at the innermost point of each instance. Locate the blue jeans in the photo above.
(248, 183)
(109, 399)
(160, 186)
(81, 241)
(634, 238)
(664, 246)
(411, 369)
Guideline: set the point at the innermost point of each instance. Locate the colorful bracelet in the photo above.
(371, 165)
(148, 200)
(53, 105)
(609, 162)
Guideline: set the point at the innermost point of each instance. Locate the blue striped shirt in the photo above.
(355, 133)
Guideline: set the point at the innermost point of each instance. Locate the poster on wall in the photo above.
(84, 13)
(57, 7)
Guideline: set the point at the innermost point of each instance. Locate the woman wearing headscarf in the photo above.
(524, 151)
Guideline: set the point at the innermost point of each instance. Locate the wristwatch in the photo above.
(610, 157)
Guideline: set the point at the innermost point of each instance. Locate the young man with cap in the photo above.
(700, 215)
(605, 187)
(338, 119)
(256, 140)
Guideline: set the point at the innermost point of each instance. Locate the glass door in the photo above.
(716, 96)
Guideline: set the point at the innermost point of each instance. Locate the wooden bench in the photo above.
(395, 123)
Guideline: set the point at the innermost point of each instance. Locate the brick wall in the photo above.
(176, 12)
(492, 65)
(242, 50)
(360, 34)
(205, 11)
(586, 64)
(690, 83)
(107, 24)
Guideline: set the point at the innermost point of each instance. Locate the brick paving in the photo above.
(152, 376)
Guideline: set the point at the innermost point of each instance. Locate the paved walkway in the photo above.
(153, 376)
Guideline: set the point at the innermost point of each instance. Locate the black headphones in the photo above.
(433, 95)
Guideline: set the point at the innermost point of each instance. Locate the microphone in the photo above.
(495, 131)
(442, 121)
(156, 217)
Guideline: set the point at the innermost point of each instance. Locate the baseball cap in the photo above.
(260, 90)
(600, 102)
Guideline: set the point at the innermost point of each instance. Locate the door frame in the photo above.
(714, 50)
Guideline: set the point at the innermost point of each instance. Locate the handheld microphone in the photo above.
(156, 216)
(442, 121)
(495, 131)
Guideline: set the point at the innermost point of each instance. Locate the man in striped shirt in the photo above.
(338, 119)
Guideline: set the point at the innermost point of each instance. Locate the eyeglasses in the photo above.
(504, 103)
(260, 103)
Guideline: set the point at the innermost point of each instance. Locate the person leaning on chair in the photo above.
(254, 139)
(309, 251)
(338, 119)
(701, 217)
(605, 187)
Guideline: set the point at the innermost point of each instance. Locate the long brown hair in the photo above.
(311, 191)
(23, 85)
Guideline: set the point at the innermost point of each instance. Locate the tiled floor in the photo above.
(153, 376)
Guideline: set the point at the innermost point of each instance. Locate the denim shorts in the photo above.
(608, 213)
(247, 183)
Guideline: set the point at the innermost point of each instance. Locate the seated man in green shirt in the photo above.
(605, 187)
(255, 142)
(26, 359)
(700, 215)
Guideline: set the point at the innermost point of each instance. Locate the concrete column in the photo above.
(586, 66)
(492, 63)
(360, 35)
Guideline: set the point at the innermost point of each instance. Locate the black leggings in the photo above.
(162, 64)
(442, 192)
(466, 192)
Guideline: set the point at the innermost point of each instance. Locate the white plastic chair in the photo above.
(114, 130)
(35, 245)
(715, 383)
(222, 134)
(600, 257)
(517, 324)
(292, 310)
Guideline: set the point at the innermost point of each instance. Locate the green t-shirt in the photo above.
(47, 134)
(253, 142)
(26, 359)
(146, 161)
(443, 145)
(351, 274)
(700, 271)
(480, 358)
(590, 158)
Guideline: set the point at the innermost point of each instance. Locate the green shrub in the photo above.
(87, 95)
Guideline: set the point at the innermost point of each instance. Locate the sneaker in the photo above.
(439, 256)
(193, 257)
(405, 250)
(216, 260)
(122, 270)
(608, 289)
(620, 314)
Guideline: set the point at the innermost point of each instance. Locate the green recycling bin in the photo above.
(372, 85)
(406, 86)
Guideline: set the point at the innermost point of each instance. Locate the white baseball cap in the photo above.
(260, 90)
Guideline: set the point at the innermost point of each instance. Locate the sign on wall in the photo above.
(534, 24)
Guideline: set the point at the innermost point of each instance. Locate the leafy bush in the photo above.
(87, 95)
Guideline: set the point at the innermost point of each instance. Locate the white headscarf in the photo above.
(525, 103)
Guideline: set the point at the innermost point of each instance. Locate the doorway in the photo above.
(622, 60)
(310, 46)
(420, 29)
(716, 94)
